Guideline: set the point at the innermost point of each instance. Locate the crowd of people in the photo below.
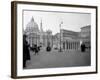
(35, 48)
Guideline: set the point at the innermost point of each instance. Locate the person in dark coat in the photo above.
(36, 49)
(26, 54)
(32, 48)
(83, 47)
(48, 47)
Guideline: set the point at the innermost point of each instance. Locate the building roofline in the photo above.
(85, 26)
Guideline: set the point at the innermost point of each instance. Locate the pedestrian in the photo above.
(32, 48)
(26, 53)
(39, 48)
(48, 47)
(83, 47)
(35, 49)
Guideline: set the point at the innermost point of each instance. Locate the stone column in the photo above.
(67, 45)
(72, 46)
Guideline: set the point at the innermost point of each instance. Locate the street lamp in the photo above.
(36, 38)
(60, 36)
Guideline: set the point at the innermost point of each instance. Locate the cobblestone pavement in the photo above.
(55, 58)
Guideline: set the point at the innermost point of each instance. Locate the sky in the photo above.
(51, 20)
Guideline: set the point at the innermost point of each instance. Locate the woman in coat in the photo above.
(26, 53)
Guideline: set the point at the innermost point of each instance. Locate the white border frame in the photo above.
(35, 72)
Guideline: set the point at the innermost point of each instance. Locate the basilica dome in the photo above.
(32, 27)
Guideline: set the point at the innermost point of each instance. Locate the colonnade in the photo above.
(71, 45)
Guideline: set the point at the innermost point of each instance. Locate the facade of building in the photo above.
(71, 40)
(36, 36)
(32, 32)
(85, 35)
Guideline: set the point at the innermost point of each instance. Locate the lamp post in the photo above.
(36, 38)
(52, 40)
(60, 36)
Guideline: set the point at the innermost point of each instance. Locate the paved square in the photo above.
(55, 58)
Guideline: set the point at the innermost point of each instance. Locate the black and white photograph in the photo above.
(53, 39)
(56, 39)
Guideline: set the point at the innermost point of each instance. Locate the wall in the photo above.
(5, 41)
